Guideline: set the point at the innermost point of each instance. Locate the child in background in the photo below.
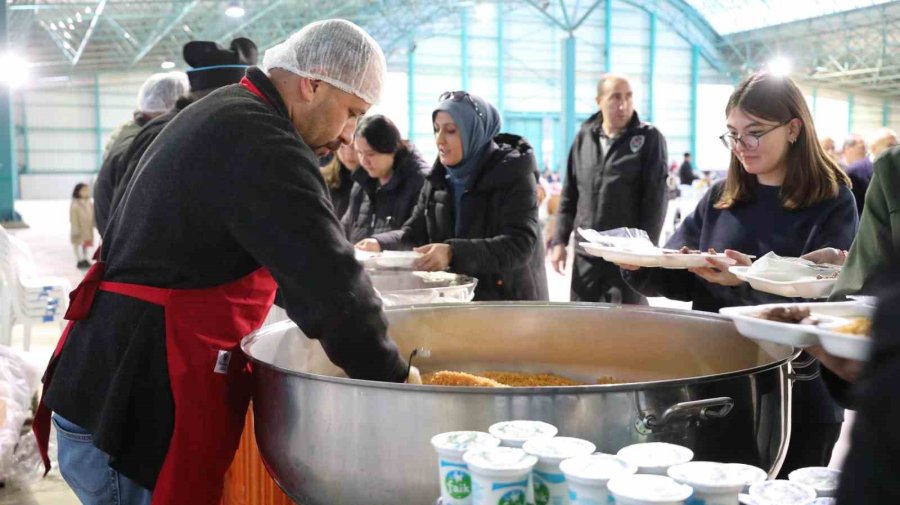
(81, 217)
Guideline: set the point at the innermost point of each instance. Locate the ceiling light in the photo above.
(69, 20)
(187, 29)
(485, 11)
(71, 27)
(53, 26)
(67, 35)
(78, 17)
(87, 10)
(15, 70)
(234, 10)
(779, 66)
(168, 64)
(67, 45)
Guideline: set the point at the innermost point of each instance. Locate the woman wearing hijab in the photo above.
(477, 213)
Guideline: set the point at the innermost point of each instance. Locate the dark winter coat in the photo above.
(500, 240)
(376, 209)
(340, 196)
(114, 166)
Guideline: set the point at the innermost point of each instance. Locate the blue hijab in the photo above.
(476, 128)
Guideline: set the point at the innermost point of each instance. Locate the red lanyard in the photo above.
(253, 89)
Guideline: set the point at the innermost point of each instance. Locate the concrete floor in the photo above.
(48, 239)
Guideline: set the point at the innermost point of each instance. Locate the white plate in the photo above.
(811, 288)
(796, 335)
(845, 345)
(397, 259)
(649, 258)
(677, 260)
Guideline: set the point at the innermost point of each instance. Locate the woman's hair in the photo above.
(812, 176)
(78, 189)
(332, 172)
(382, 135)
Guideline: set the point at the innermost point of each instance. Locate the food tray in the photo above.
(802, 288)
(831, 315)
(622, 256)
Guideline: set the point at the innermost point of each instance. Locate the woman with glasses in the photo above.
(782, 194)
(386, 188)
(477, 213)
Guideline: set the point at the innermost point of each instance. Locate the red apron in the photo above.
(208, 374)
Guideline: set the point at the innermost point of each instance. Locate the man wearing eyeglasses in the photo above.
(615, 177)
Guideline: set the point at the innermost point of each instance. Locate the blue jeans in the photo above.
(87, 471)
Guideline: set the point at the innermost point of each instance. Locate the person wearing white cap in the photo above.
(148, 387)
(157, 95)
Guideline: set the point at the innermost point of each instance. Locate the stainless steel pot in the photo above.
(690, 379)
(415, 288)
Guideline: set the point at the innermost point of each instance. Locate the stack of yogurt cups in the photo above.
(524, 462)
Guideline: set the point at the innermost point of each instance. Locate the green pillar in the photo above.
(651, 71)
(8, 170)
(885, 113)
(850, 106)
(98, 123)
(464, 46)
(695, 84)
(815, 97)
(501, 104)
(411, 89)
(607, 35)
(568, 98)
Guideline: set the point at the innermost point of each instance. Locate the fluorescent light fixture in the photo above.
(52, 25)
(88, 10)
(780, 66)
(234, 10)
(78, 17)
(15, 70)
(67, 35)
(168, 64)
(69, 20)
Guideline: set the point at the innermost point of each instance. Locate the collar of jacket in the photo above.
(401, 170)
(509, 155)
(265, 86)
(438, 175)
(596, 124)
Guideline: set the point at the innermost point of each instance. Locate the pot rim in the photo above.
(248, 341)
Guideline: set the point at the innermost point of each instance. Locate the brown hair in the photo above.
(332, 172)
(812, 176)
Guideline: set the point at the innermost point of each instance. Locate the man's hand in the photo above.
(435, 257)
(368, 244)
(558, 258)
(828, 255)
(847, 369)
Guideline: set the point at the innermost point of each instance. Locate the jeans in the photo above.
(86, 470)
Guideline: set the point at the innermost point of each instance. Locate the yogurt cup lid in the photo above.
(749, 473)
(655, 454)
(649, 488)
(558, 448)
(596, 468)
(817, 477)
(499, 459)
(708, 475)
(462, 441)
(522, 431)
(782, 492)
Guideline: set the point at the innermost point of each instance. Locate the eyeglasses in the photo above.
(750, 141)
(458, 96)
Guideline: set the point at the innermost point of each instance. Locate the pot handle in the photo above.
(711, 408)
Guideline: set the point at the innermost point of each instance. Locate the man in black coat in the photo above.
(230, 186)
(157, 96)
(212, 68)
(615, 177)
(686, 173)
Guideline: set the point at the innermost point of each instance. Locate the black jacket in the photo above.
(374, 209)
(500, 240)
(227, 187)
(686, 174)
(112, 171)
(624, 187)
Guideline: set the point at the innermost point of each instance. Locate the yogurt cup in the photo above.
(713, 483)
(499, 475)
(655, 457)
(781, 492)
(456, 480)
(750, 474)
(587, 476)
(516, 433)
(549, 481)
(823, 480)
(643, 489)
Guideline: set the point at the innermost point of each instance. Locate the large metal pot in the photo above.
(690, 379)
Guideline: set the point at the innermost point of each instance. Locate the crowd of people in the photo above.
(207, 204)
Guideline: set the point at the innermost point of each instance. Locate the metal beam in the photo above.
(221, 39)
(411, 90)
(568, 95)
(543, 12)
(90, 31)
(163, 30)
(8, 170)
(464, 47)
(651, 71)
(885, 113)
(850, 106)
(98, 125)
(587, 13)
(695, 84)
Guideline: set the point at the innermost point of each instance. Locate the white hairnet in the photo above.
(335, 51)
(160, 92)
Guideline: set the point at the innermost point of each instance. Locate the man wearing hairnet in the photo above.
(148, 386)
(157, 96)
